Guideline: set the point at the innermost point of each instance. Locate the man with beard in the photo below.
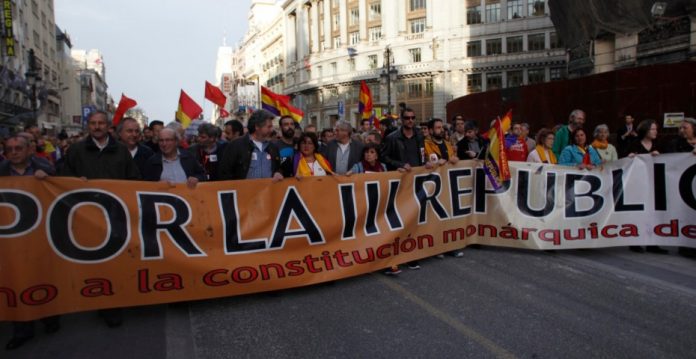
(437, 150)
(100, 156)
(286, 144)
(233, 129)
(252, 155)
(128, 131)
(208, 150)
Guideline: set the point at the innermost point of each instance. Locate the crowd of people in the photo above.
(278, 149)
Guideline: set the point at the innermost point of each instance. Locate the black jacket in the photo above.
(463, 146)
(209, 166)
(354, 156)
(237, 158)
(393, 153)
(84, 159)
(36, 164)
(144, 153)
(153, 167)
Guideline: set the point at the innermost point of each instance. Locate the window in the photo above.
(554, 41)
(372, 61)
(415, 54)
(415, 89)
(417, 25)
(375, 11)
(336, 42)
(334, 68)
(354, 37)
(494, 81)
(537, 8)
(417, 5)
(494, 47)
(351, 64)
(375, 33)
(515, 78)
(429, 88)
(320, 73)
(514, 9)
(473, 14)
(354, 17)
(473, 83)
(536, 42)
(473, 48)
(536, 76)
(335, 25)
(492, 11)
(514, 44)
(558, 73)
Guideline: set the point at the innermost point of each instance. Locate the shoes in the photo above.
(458, 254)
(413, 265)
(393, 271)
(17, 342)
(656, 250)
(687, 252)
(637, 249)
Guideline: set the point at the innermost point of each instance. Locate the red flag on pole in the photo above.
(214, 94)
(224, 113)
(123, 105)
(586, 160)
(188, 109)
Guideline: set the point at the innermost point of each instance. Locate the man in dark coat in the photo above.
(128, 131)
(252, 155)
(100, 156)
(208, 150)
(172, 164)
(405, 147)
(20, 162)
(343, 152)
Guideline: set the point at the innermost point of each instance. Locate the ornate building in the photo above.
(420, 52)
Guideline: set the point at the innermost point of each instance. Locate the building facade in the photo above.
(422, 53)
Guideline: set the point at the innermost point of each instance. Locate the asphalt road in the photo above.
(492, 303)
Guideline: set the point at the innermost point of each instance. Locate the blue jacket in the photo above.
(572, 156)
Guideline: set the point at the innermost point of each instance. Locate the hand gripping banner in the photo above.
(68, 245)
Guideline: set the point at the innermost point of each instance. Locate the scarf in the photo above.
(541, 151)
(602, 145)
(303, 169)
(586, 159)
(368, 168)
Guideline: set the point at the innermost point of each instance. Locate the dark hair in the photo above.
(236, 126)
(572, 136)
(542, 134)
(324, 131)
(155, 123)
(365, 119)
(644, 127)
(456, 117)
(377, 135)
(280, 120)
(257, 119)
(312, 136)
(370, 146)
(431, 123)
(208, 129)
(406, 109)
(470, 125)
(120, 125)
(28, 127)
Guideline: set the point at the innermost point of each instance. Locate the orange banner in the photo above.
(69, 245)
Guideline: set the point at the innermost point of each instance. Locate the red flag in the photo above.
(188, 109)
(123, 105)
(214, 94)
(586, 160)
(224, 113)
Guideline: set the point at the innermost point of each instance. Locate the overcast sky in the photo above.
(154, 48)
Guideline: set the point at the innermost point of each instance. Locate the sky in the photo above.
(154, 48)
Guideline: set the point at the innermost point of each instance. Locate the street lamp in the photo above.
(34, 80)
(388, 75)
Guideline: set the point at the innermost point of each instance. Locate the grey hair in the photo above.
(344, 125)
(119, 127)
(173, 130)
(574, 114)
(174, 125)
(599, 128)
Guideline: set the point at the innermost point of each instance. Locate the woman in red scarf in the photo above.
(308, 162)
(370, 161)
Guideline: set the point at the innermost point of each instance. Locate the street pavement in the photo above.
(491, 303)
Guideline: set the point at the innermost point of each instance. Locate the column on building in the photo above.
(327, 23)
(290, 32)
(314, 17)
(362, 9)
(343, 26)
